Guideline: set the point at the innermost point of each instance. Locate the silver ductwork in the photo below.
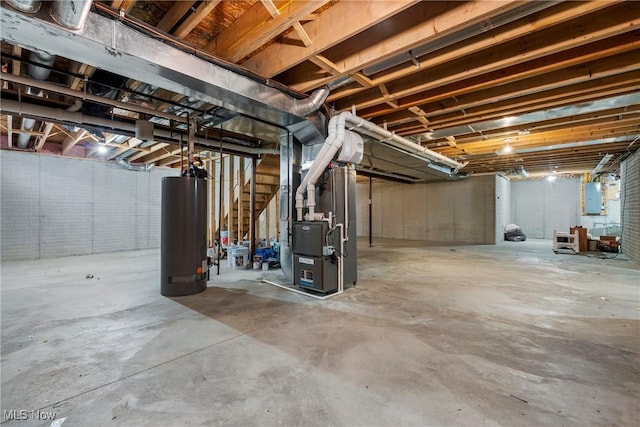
(138, 168)
(26, 6)
(71, 14)
(116, 47)
(304, 107)
(44, 58)
(38, 73)
(51, 87)
(55, 114)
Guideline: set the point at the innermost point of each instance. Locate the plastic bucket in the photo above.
(239, 257)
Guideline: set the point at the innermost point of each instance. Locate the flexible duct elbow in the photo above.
(304, 107)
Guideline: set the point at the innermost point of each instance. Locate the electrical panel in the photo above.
(592, 198)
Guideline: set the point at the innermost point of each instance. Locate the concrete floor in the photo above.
(447, 336)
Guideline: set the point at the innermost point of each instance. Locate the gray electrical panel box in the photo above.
(312, 269)
(593, 198)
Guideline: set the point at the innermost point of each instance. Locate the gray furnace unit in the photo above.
(316, 244)
(313, 266)
(183, 236)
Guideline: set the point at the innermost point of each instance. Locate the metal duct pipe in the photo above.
(89, 97)
(44, 58)
(55, 114)
(114, 46)
(26, 6)
(140, 168)
(304, 107)
(38, 73)
(71, 14)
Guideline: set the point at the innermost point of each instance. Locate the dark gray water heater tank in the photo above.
(183, 236)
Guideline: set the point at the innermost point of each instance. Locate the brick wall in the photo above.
(54, 206)
(447, 212)
(630, 207)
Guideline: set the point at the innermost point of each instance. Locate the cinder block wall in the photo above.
(54, 206)
(630, 207)
(447, 212)
(540, 206)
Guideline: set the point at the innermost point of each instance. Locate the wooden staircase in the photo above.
(267, 186)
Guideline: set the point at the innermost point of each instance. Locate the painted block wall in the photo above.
(54, 206)
(630, 206)
(447, 212)
(503, 206)
(541, 206)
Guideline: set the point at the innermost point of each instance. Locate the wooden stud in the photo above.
(173, 15)
(195, 18)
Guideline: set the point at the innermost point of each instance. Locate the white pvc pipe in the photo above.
(384, 135)
(300, 292)
(318, 164)
(340, 274)
(311, 200)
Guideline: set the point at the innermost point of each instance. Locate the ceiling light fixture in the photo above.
(551, 178)
(102, 149)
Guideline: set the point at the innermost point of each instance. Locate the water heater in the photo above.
(183, 236)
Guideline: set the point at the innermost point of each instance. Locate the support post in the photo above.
(252, 210)
(370, 211)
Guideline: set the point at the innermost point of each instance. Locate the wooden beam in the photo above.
(71, 141)
(48, 127)
(121, 148)
(271, 8)
(171, 158)
(15, 65)
(304, 37)
(256, 27)
(87, 70)
(387, 97)
(326, 65)
(173, 15)
(538, 93)
(125, 5)
(544, 20)
(162, 154)
(148, 150)
(335, 25)
(491, 74)
(414, 30)
(363, 80)
(196, 17)
(452, 141)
